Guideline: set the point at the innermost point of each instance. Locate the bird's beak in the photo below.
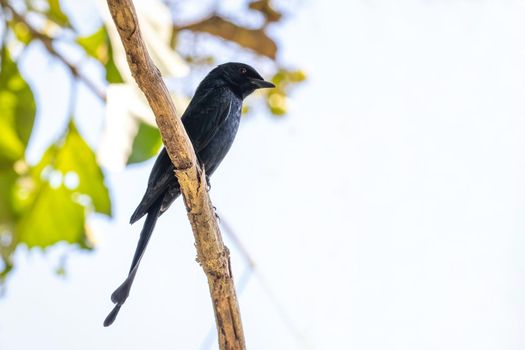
(261, 84)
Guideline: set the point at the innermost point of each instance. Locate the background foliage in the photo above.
(48, 202)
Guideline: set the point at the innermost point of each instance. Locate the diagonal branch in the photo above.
(212, 254)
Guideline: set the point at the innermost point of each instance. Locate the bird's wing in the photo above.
(160, 179)
(205, 116)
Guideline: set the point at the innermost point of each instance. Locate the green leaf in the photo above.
(11, 148)
(112, 73)
(21, 31)
(75, 159)
(4, 270)
(276, 102)
(53, 217)
(95, 44)
(17, 111)
(98, 46)
(276, 99)
(56, 14)
(8, 179)
(81, 160)
(67, 182)
(146, 144)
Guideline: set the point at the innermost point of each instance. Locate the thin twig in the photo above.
(47, 41)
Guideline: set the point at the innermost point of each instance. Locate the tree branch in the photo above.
(47, 41)
(211, 251)
(253, 39)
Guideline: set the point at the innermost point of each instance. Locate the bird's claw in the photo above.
(208, 183)
(215, 212)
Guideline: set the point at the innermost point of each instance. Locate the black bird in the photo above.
(211, 121)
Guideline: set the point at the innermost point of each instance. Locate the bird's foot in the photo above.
(215, 212)
(208, 183)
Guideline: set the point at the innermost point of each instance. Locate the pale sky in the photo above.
(387, 211)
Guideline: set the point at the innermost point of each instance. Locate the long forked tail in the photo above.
(120, 294)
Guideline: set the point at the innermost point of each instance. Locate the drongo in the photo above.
(211, 121)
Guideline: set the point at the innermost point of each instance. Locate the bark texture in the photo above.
(212, 254)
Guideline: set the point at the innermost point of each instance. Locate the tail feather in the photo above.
(112, 316)
(138, 214)
(120, 295)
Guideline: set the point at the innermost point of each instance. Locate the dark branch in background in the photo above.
(211, 253)
(253, 39)
(47, 41)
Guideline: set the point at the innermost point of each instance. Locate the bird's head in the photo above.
(242, 78)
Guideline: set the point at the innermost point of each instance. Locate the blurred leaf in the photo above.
(60, 271)
(98, 46)
(254, 39)
(21, 32)
(266, 9)
(276, 99)
(7, 185)
(67, 181)
(17, 111)
(112, 73)
(11, 148)
(277, 103)
(95, 44)
(61, 268)
(54, 216)
(7, 266)
(297, 76)
(146, 144)
(55, 13)
(75, 158)
(17, 114)
(285, 77)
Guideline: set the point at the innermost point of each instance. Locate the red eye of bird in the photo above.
(242, 70)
